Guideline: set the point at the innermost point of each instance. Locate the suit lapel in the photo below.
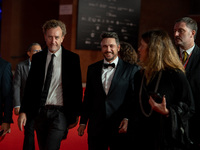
(192, 60)
(98, 74)
(118, 72)
(65, 61)
(26, 67)
(43, 59)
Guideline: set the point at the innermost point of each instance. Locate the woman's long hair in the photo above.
(161, 54)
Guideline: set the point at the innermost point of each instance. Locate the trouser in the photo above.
(51, 128)
(29, 141)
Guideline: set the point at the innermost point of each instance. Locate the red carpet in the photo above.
(14, 140)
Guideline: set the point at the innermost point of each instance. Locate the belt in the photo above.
(53, 107)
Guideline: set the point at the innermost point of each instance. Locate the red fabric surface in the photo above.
(14, 140)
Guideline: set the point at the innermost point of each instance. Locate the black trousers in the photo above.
(29, 141)
(51, 128)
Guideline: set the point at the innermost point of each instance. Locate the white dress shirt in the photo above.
(55, 95)
(107, 75)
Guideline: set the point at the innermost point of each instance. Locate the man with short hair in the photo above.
(185, 31)
(20, 76)
(108, 82)
(53, 93)
(19, 82)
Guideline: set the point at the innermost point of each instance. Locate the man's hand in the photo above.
(21, 121)
(5, 128)
(16, 110)
(123, 126)
(81, 129)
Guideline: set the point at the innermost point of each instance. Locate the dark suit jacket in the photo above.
(19, 82)
(71, 84)
(6, 105)
(193, 76)
(101, 109)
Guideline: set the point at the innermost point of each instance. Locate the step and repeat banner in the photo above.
(97, 16)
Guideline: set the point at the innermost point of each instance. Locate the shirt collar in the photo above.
(188, 51)
(29, 62)
(58, 53)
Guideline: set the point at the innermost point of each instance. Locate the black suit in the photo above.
(105, 112)
(71, 86)
(6, 104)
(193, 76)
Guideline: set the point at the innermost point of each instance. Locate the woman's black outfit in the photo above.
(155, 131)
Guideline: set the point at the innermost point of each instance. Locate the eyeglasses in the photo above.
(36, 51)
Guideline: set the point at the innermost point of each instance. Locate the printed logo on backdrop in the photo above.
(97, 16)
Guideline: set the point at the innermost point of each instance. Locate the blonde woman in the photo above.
(163, 101)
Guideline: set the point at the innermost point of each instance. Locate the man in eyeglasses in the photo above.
(21, 74)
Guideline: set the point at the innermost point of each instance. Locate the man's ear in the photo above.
(118, 48)
(28, 53)
(193, 32)
(62, 39)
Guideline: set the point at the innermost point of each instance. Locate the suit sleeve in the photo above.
(16, 87)
(185, 97)
(86, 107)
(78, 87)
(7, 94)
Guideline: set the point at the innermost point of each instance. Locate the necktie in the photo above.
(185, 55)
(47, 81)
(107, 65)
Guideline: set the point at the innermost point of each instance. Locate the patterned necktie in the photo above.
(185, 55)
(47, 81)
